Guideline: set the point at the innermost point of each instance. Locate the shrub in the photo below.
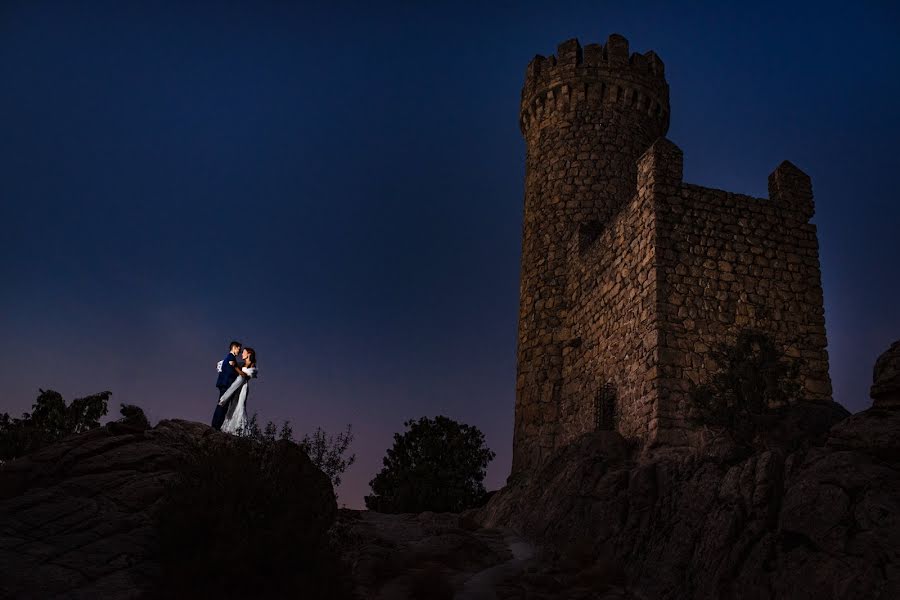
(753, 383)
(437, 465)
(327, 452)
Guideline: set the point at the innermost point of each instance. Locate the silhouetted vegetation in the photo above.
(134, 415)
(50, 420)
(248, 519)
(327, 452)
(268, 434)
(437, 465)
(754, 382)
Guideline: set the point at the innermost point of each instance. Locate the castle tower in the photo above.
(631, 276)
(587, 115)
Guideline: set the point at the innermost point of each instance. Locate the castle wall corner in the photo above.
(729, 262)
(791, 188)
(612, 290)
(660, 170)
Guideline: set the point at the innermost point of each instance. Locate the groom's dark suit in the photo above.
(226, 378)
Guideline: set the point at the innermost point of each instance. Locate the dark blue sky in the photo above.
(341, 188)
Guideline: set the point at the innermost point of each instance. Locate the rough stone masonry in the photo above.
(630, 275)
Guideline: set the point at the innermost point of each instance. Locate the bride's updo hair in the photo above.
(252, 356)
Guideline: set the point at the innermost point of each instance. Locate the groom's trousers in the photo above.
(219, 414)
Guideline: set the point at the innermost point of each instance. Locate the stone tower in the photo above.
(587, 114)
(628, 274)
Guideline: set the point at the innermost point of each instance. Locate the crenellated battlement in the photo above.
(600, 74)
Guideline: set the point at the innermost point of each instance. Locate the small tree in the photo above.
(437, 465)
(753, 382)
(287, 432)
(50, 420)
(327, 452)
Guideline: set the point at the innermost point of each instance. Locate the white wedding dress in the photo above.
(236, 417)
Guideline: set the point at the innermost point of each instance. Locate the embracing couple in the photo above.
(233, 385)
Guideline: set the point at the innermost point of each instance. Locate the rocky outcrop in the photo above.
(77, 519)
(428, 555)
(886, 385)
(447, 556)
(816, 520)
(814, 514)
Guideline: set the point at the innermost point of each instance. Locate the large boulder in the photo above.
(78, 519)
(821, 520)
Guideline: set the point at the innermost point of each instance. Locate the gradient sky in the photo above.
(340, 186)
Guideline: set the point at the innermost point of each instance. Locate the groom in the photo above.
(227, 374)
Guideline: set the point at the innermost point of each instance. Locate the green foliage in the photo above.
(240, 520)
(134, 415)
(753, 382)
(327, 452)
(50, 420)
(437, 465)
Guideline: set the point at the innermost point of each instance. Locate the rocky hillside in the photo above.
(815, 516)
(78, 518)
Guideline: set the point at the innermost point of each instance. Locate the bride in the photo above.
(236, 417)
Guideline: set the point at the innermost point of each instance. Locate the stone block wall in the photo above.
(613, 326)
(679, 270)
(728, 262)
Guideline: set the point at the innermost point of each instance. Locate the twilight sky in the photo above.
(341, 188)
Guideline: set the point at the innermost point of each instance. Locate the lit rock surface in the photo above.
(76, 518)
(818, 522)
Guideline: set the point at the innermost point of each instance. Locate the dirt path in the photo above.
(481, 585)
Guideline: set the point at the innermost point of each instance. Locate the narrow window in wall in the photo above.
(605, 408)
(588, 231)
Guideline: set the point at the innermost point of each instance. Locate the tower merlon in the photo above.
(655, 63)
(790, 186)
(617, 49)
(660, 168)
(569, 54)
